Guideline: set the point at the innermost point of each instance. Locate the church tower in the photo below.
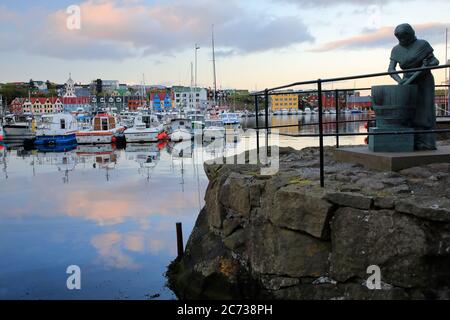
(70, 88)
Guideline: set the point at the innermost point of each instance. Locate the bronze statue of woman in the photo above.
(412, 53)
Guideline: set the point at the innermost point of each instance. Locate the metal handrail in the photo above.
(363, 76)
(320, 91)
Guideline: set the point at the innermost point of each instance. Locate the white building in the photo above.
(70, 88)
(190, 98)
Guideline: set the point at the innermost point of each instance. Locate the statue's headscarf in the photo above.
(405, 30)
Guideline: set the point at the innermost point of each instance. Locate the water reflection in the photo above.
(110, 211)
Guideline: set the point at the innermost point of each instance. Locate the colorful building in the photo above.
(351, 101)
(284, 101)
(161, 99)
(43, 105)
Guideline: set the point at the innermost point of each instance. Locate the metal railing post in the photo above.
(336, 97)
(266, 107)
(322, 173)
(257, 124)
(180, 246)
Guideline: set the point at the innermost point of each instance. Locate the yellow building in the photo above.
(284, 101)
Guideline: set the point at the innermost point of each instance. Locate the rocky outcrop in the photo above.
(284, 237)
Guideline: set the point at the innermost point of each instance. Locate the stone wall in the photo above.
(284, 237)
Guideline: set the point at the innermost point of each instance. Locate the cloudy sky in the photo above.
(259, 43)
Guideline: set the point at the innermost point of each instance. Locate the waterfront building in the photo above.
(135, 103)
(161, 99)
(352, 100)
(16, 106)
(190, 98)
(42, 105)
(284, 101)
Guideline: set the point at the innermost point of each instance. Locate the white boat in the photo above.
(214, 129)
(180, 129)
(307, 111)
(140, 132)
(299, 112)
(277, 112)
(57, 129)
(19, 128)
(285, 112)
(104, 128)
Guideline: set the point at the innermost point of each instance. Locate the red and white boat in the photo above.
(104, 129)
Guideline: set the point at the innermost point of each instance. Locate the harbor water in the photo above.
(111, 212)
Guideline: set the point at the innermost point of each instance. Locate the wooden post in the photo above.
(180, 246)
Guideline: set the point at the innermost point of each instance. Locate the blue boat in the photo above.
(56, 129)
(56, 148)
(48, 140)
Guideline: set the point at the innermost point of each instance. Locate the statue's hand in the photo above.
(403, 81)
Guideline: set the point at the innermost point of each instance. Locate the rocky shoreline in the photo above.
(284, 237)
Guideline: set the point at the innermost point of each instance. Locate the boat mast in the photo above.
(214, 67)
(197, 47)
(191, 98)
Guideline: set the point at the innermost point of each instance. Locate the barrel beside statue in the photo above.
(394, 108)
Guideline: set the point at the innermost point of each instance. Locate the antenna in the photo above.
(214, 67)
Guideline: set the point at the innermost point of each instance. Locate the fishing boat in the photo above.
(285, 112)
(18, 128)
(141, 132)
(307, 111)
(180, 129)
(57, 129)
(214, 129)
(277, 112)
(104, 129)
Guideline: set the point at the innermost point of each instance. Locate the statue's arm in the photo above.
(393, 68)
(431, 61)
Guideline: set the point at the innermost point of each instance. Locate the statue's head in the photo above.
(405, 34)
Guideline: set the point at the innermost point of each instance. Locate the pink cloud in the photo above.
(383, 37)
